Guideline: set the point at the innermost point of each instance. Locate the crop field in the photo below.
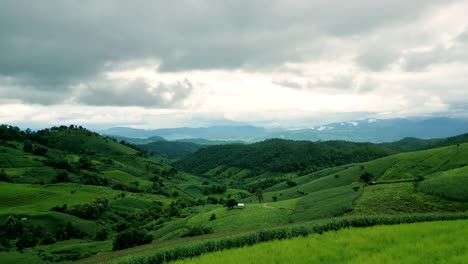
(28, 198)
(435, 242)
(325, 204)
(398, 198)
(450, 184)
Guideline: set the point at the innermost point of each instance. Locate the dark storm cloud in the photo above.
(54, 44)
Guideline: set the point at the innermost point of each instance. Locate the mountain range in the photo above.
(370, 130)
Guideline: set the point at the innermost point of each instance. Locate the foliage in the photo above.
(231, 203)
(169, 149)
(3, 176)
(281, 233)
(212, 217)
(366, 177)
(408, 243)
(92, 210)
(282, 155)
(259, 195)
(130, 238)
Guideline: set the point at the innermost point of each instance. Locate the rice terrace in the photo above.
(148, 132)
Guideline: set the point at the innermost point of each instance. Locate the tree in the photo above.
(3, 176)
(259, 194)
(47, 239)
(231, 203)
(130, 238)
(101, 234)
(417, 181)
(213, 217)
(366, 177)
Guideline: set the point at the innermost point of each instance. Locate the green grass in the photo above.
(253, 216)
(397, 198)
(79, 140)
(124, 177)
(325, 204)
(435, 242)
(450, 184)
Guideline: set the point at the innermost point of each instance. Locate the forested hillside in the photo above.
(280, 155)
(170, 149)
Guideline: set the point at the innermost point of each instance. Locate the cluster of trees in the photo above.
(214, 189)
(11, 133)
(130, 238)
(90, 211)
(170, 149)
(21, 234)
(280, 155)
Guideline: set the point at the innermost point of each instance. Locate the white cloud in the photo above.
(273, 63)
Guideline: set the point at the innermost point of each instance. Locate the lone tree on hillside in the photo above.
(259, 194)
(230, 203)
(366, 177)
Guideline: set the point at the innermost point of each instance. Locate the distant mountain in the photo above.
(377, 131)
(207, 142)
(231, 133)
(371, 130)
(138, 141)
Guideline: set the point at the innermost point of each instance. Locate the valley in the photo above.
(95, 198)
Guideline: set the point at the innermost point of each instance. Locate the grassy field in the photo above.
(451, 184)
(324, 204)
(436, 242)
(398, 198)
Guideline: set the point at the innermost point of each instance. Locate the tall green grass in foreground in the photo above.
(247, 239)
(433, 242)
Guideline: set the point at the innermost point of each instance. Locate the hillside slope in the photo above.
(169, 149)
(281, 155)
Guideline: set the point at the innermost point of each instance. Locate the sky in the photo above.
(154, 63)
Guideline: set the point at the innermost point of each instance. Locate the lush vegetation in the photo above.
(413, 144)
(67, 193)
(437, 242)
(252, 238)
(282, 156)
(169, 149)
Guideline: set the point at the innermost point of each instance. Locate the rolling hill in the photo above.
(70, 179)
(170, 149)
(279, 155)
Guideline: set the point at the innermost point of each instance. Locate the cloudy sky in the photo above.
(177, 63)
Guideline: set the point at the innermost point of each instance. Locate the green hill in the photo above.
(413, 144)
(170, 149)
(80, 141)
(67, 180)
(281, 155)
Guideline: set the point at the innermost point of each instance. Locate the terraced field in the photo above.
(436, 242)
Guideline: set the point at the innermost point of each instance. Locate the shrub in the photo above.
(101, 234)
(366, 177)
(231, 203)
(130, 238)
(213, 217)
(3, 176)
(68, 232)
(47, 239)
